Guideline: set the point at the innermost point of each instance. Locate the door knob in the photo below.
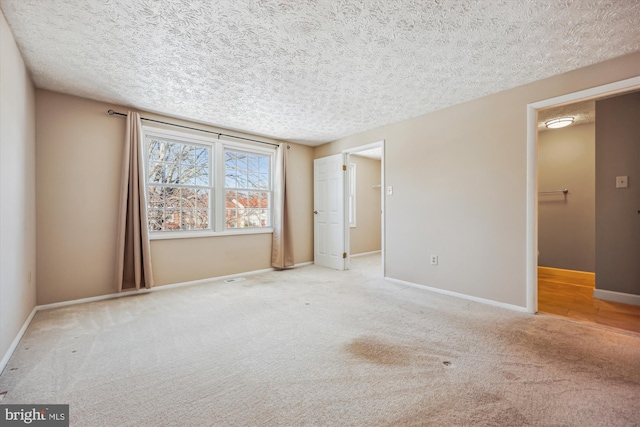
(315, 212)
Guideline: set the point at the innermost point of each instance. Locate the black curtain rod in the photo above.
(115, 113)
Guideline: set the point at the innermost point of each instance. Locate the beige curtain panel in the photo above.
(282, 249)
(133, 268)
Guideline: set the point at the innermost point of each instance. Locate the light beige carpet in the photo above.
(312, 346)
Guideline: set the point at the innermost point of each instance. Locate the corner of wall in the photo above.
(17, 211)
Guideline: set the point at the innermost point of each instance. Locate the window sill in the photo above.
(196, 234)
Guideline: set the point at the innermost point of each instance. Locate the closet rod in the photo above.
(563, 191)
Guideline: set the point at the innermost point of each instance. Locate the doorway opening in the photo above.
(561, 280)
(348, 195)
(364, 201)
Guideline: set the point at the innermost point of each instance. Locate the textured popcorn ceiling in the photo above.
(310, 71)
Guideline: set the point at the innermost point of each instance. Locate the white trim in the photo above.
(616, 296)
(365, 253)
(248, 147)
(16, 340)
(154, 289)
(161, 132)
(626, 85)
(302, 264)
(459, 295)
(188, 234)
(383, 200)
(532, 172)
(365, 147)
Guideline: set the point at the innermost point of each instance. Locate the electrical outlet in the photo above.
(434, 259)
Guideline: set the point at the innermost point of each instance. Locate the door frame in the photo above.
(354, 150)
(614, 88)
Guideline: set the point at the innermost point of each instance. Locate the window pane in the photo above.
(156, 150)
(254, 217)
(201, 173)
(188, 219)
(172, 173)
(172, 219)
(155, 197)
(174, 152)
(188, 198)
(264, 200)
(265, 219)
(264, 181)
(201, 156)
(231, 202)
(241, 179)
(156, 219)
(242, 161)
(253, 180)
(243, 218)
(230, 179)
(254, 163)
(188, 155)
(230, 160)
(264, 164)
(202, 198)
(172, 198)
(156, 172)
(202, 219)
(254, 199)
(242, 199)
(231, 218)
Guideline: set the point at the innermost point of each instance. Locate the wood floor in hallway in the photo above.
(569, 294)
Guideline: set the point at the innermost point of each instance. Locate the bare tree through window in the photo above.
(247, 189)
(178, 185)
(182, 191)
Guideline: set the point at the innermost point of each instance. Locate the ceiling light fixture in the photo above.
(559, 123)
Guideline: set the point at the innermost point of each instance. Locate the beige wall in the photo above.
(618, 209)
(17, 191)
(567, 224)
(78, 159)
(366, 236)
(459, 179)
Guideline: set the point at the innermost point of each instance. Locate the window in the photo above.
(179, 185)
(352, 194)
(201, 186)
(247, 189)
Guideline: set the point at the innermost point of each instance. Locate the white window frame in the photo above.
(217, 184)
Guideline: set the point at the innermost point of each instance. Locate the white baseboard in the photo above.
(16, 340)
(303, 264)
(616, 296)
(365, 253)
(154, 289)
(459, 295)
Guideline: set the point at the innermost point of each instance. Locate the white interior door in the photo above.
(329, 214)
